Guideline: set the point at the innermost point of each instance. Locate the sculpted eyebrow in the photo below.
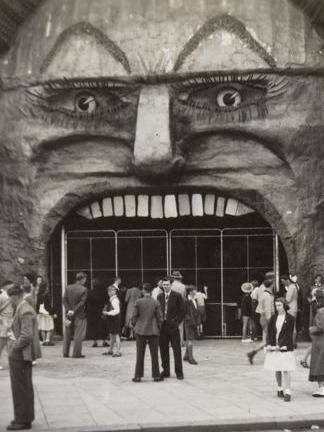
(233, 26)
(86, 29)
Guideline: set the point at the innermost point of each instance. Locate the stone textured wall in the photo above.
(267, 153)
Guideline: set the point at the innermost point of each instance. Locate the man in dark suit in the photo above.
(173, 311)
(23, 349)
(74, 301)
(147, 321)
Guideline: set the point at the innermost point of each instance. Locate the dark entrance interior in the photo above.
(221, 253)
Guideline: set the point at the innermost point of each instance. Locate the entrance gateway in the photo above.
(220, 253)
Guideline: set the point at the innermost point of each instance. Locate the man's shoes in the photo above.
(136, 379)
(117, 354)
(105, 344)
(108, 353)
(158, 379)
(18, 426)
(280, 393)
(180, 377)
(80, 356)
(193, 361)
(164, 374)
(66, 355)
(287, 397)
(50, 343)
(94, 345)
(250, 356)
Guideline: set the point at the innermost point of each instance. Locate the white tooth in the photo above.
(170, 206)
(220, 207)
(209, 204)
(130, 205)
(156, 207)
(197, 205)
(184, 204)
(96, 211)
(242, 209)
(85, 212)
(231, 207)
(118, 206)
(142, 205)
(107, 207)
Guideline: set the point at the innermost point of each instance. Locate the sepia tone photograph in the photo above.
(162, 215)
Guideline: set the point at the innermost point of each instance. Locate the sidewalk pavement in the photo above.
(223, 392)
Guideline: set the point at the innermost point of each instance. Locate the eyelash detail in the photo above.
(258, 110)
(274, 85)
(80, 84)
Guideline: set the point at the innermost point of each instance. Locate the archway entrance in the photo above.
(220, 251)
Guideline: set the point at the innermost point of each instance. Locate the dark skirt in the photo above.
(114, 324)
(316, 372)
(190, 331)
(202, 313)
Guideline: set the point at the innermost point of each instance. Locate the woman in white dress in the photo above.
(280, 357)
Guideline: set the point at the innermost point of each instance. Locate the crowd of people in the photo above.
(170, 313)
(113, 314)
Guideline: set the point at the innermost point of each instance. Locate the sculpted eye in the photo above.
(228, 97)
(85, 99)
(85, 103)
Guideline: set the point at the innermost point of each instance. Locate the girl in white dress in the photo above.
(280, 357)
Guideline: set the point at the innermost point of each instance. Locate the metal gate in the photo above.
(220, 259)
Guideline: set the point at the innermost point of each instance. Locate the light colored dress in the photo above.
(6, 314)
(280, 361)
(44, 319)
(292, 299)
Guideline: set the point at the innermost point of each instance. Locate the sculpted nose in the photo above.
(153, 153)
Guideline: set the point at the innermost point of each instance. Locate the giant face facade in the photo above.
(130, 97)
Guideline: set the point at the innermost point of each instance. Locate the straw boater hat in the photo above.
(246, 287)
(176, 274)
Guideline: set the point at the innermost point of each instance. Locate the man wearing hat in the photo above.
(23, 349)
(180, 288)
(246, 311)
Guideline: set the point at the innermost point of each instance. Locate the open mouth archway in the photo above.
(211, 239)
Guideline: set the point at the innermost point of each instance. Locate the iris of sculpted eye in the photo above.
(85, 103)
(228, 97)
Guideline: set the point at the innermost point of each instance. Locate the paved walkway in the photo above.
(96, 393)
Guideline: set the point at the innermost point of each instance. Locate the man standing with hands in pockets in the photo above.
(147, 320)
(173, 312)
(24, 348)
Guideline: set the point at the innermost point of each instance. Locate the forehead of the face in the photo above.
(136, 37)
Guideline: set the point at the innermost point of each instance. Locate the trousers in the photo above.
(153, 342)
(21, 387)
(78, 330)
(170, 335)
